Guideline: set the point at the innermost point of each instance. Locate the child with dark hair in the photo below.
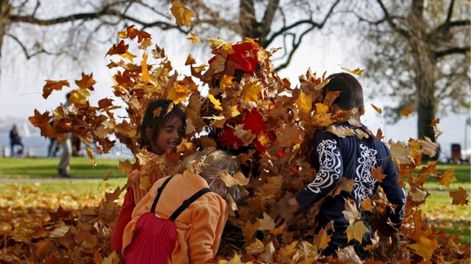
(351, 157)
(182, 217)
(161, 131)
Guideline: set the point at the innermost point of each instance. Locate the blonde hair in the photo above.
(209, 164)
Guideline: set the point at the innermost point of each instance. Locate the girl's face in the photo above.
(169, 136)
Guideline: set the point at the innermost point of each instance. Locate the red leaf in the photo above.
(254, 122)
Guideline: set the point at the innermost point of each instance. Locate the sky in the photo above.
(21, 82)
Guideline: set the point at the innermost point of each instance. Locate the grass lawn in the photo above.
(80, 167)
(462, 174)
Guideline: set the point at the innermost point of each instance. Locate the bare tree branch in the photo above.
(405, 33)
(454, 50)
(294, 46)
(450, 11)
(25, 49)
(310, 22)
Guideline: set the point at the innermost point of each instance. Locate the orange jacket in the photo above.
(199, 227)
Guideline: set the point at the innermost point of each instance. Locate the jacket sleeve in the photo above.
(329, 172)
(207, 225)
(395, 194)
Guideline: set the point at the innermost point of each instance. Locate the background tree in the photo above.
(421, 54)
(72, 27)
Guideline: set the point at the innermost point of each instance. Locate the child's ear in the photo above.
(361, 110)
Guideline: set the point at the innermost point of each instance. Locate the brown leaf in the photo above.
(53, 86)
(86, 82)
(459, 196)
(406, 111)
(182, 14)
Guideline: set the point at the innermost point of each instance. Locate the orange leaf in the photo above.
(459, 196)
(86, 82)
(190, 60)
(447, 177)
(182, 14)
(304, 102)
(356, 71)
(424, 247)
(356, 231)
(250, 229)
(119, 48)
(406, 111)
(144, 70)
(53, 85)
(194, 39)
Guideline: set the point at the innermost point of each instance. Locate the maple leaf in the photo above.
(351, 212)
(178, 93)
(255, 248)
(216, 103)
(406, 111)
(182, 14)
(250, 229)
(91, 156)
(378, 174)
(356, 71)
(304, 102)
(418, 195)
(424, 247)
(399, 152)
(356, 231)
(79, 97)
(120, 48)
(459, 196)
(230, 181)
(190, 60)
(86, 82)
(366, 205)
(428, 147)
(193, 38)
(330, 97)
(447, 177)
(379, 134)
(251, 91)
(105, 103)
(254, 122)
(53, 86)
(144, 70)
(321, 239)
(266, 223)
(377, 109)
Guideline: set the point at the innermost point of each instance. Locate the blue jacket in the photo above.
(352, 158)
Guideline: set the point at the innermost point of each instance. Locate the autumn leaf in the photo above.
(190, 60)
(178, 93)
(377, 109)
(251, 92)
(378, 174)
(424, 247)
(182, 14)
(86, 82)
(120, 48)
(91, 156)
(351, 212)
(216, 103)
(447, 177)
(255, 248)
(53, 86)
(193, 38)
(321, 239)
(304, 102)
(356, 71)
(144, 70)
(266, 223)
(250, 229)
(406, 111)
(230, 181)
(459, 196)
(79, 97)
(379, 134)
(356, 231)
(366, 205)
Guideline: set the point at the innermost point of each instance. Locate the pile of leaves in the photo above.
(236, 102)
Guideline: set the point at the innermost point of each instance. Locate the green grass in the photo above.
(454, 219)
(462, 174)
(21, 168)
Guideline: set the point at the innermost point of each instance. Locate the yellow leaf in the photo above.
(356, 231)
(424, 247)
(251, 92)
(356, 71)
(226, 81)
(178, 93)
(447, 177)
(399, 152)
(234, 111)
(144, 182)
(216, 102)
(128, 55)
(255, 248)
(182, 14)
(193, 38)
(145, 71)
(377, 109)
(79, 97)
(91, 156)
(366, 205)
(304, 102)
(190, 60)
(321, 239)
(266, 223)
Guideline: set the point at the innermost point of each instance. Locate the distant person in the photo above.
(53, 147)
(15, 140)
(66, 145)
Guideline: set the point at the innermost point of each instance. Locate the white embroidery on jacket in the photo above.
(364, 183)
(330, 166)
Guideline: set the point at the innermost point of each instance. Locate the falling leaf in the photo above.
(91, 156)
(190, 60)
(120, 48)
(250, 229)
(144, 70)
(304, 102)
(377, 109)
(378, 174)
(366, 205)
(182, 14)
(237, 179)
(447, 177)
(79, 97)
(459, 196)
(53, 86)
(351, 212)
(266, 223)
(86, 82)
(406, 111)
(251, 91)
(255, 248)
(424, 247)
(399, 152)
(341, 131)
(356, 71)
(428, 147)
(418, 195)
(356, 231)
(178, 93)
(193, 38)
(379, 134)
(216, 103)
(321, 239)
